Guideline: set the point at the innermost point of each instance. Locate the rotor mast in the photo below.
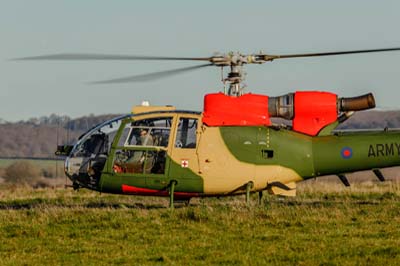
(235, 79)
(236, 76)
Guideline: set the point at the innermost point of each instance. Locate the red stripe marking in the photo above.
(153, 192)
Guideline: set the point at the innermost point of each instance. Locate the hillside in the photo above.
(38, 137)
(373, 120)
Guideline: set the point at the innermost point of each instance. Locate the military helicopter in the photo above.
(230, 148)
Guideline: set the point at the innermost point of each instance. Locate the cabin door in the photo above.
(184, 164)
(140, 157)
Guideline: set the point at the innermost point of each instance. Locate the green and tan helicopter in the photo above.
(230, 148)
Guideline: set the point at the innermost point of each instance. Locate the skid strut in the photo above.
(249, 186)
(171, 193)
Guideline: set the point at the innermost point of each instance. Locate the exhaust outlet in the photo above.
(359, 103)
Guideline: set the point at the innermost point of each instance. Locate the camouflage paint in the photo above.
(188, 181)
(268, 146)
(227, 158)
(227, 167)
(314, 156)
(344, 153)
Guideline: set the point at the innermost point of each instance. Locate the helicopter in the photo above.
(230, 148)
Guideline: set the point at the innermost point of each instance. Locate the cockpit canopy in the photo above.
(134, 143)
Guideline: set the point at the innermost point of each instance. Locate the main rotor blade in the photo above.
(107, 57)
(273, 57)
(151, 76)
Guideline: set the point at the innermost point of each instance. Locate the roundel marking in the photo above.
(346, 153)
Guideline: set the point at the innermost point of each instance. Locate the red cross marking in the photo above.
(185, 163)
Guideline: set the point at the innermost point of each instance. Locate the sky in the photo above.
(194, 29)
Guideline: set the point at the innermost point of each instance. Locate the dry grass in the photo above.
(326, 224)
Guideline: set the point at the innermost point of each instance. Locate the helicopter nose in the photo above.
(71, 167)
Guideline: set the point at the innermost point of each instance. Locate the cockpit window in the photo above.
(147, 132)
(98, 141)
(186, 133)
(88, 157)
(132, 156)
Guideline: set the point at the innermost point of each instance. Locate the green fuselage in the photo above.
(222, 160)
(314, 156)
(260, 146)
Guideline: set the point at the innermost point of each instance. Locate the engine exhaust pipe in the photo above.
(359, 103)
(283, 106)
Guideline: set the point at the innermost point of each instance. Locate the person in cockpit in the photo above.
(141, 161)
(145, 138)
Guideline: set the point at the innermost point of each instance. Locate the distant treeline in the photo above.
(38, 137)
(66, 122)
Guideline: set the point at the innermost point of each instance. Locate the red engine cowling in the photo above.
(246, 110)
(313, 110)
(310, 111)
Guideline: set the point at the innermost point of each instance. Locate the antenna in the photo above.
(68, 126)
(57, 139)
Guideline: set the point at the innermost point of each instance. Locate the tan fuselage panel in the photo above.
(223, 173)
(145, 109)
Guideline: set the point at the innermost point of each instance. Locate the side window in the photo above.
(186, 134)
(138, 161)
(136, 154)
(124, 135)
(148, 132)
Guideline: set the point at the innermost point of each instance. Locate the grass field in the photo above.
(324, 225)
